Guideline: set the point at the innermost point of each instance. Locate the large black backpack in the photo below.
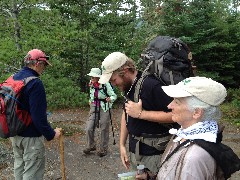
(168, 59)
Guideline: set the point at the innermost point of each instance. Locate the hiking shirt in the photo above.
(33, 99)
(188, 163)
(153, 99)
(103, 91)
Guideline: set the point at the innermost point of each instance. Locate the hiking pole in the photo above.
(110, 115)
(61, 145)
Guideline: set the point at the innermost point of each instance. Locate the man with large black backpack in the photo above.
(146, 119)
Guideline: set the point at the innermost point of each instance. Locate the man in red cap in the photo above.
(28, 147)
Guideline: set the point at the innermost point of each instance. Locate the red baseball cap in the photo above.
(38, 55)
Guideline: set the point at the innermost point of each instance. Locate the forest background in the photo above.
(79, 34)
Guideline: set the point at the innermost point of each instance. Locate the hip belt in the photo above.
(158, 141)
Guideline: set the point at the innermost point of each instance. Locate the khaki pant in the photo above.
(151, 162)
(29, 157)
(104, 123)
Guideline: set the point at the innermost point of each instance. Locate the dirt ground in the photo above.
(88, 167)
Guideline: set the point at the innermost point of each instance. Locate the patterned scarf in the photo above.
(206, 130)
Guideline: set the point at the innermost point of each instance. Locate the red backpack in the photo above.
(13, 120)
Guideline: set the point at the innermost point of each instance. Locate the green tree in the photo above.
(211, 29)
(39, 27)
(95, 28)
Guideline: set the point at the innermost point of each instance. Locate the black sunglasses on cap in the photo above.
(46, 57)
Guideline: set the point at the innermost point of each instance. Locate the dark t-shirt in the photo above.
(153, 99)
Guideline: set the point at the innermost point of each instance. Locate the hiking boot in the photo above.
(88, 150)
(102, 153)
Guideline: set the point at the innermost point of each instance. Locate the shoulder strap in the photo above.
(226, 159)
(158, 69)
(17, 85)
(138, 87)
(28, 79)
(174, 151)
(105, 90)
(139, 83)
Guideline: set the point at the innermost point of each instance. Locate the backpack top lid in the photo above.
(161, 45)
(168, 59)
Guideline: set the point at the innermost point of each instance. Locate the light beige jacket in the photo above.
(189, 163)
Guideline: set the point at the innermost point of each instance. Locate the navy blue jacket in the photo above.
(33, 98)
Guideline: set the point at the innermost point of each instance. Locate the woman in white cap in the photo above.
(196, 108)
(101, 99)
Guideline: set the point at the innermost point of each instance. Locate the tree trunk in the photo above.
(17, 28)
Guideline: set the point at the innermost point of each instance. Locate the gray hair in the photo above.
(210, 112)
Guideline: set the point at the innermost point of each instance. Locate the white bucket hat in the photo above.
(95, 72)
(205, 89)
(111, 63)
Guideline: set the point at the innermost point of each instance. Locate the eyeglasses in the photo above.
(42, 62)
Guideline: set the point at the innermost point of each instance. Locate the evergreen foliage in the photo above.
(211, 29)
(63, 94)
(78, 35)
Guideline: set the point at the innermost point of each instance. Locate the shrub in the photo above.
(62, 93)
(230, 113)
(234, 97)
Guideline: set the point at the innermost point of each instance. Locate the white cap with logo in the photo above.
(205, 89)
(111, 63)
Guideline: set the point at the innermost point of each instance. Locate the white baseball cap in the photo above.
(95, 72)
(111, 63)
(205, 89)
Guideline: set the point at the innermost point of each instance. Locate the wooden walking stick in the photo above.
(61, 146)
